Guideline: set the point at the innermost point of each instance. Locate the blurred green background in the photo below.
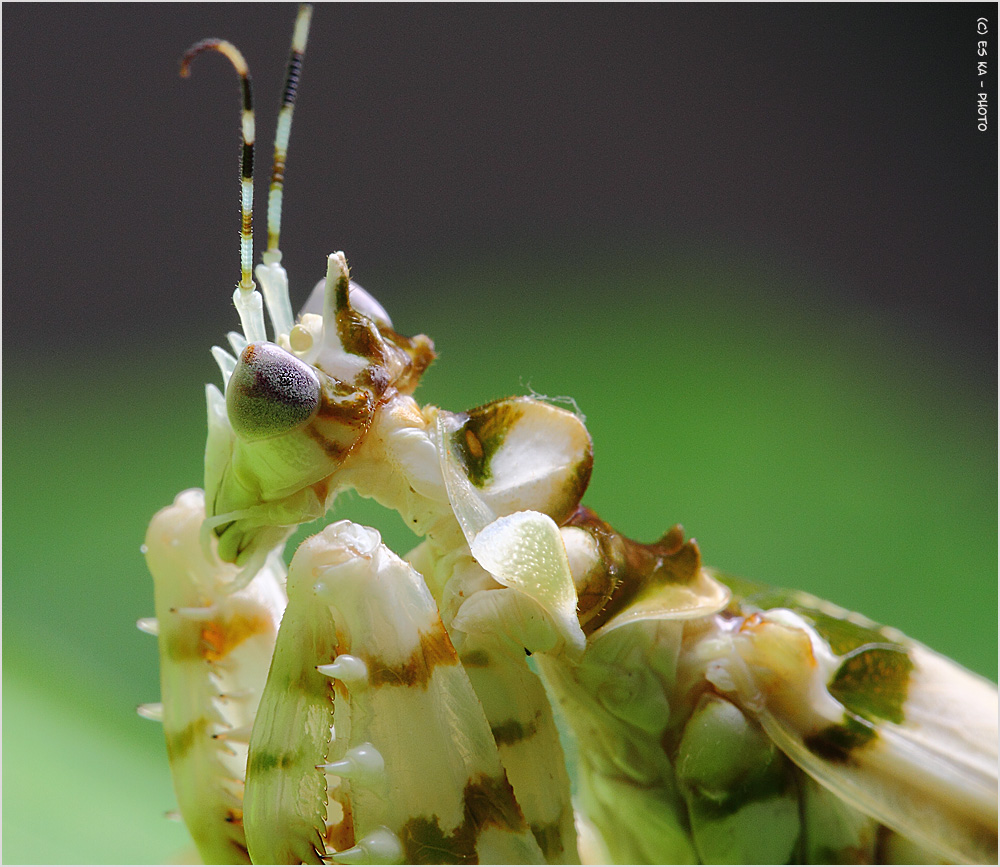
(814, 401)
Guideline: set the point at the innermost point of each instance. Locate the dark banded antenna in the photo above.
(283, 131)
(246, 283)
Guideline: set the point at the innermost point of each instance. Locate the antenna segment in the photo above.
(283, 131)
(232, 53)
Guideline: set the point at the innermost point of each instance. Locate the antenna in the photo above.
(271, 274)
(283, 131)
(234, 56)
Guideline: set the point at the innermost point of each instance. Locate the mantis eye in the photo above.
(270, 392)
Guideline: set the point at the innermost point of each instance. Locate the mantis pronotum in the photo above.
(394, 715)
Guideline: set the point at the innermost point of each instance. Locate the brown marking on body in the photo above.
(629, 568)
(514, 731)
(358, 334)
(333, 450)
(476, 659)
(483, 434)
(377, 378)
(549, 837)
(435, 649)
(490, 801)
(425, 843)
(342, 418)
(322, 489)
(346, 404)
(838, 743)
(341, 690)
(249, 354)
(487, 802)
(575, 486)
(340, 835)
(220, 638)
(420, 352)
(475, 447)
(883, 840)
(278, 170)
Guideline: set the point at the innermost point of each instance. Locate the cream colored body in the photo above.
(215, 649)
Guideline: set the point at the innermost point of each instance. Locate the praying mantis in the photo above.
(361, 707)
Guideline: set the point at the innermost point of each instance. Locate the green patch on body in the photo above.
(836, 743)
(873, 682)
(549, 839)
(425, 843)
(843, 636)
(476, 659)
(513, 731)
(479, 439)
(488, 801)
(774, 782)
(311, 684)
(180, 642)
(262, 761)
(179, 743)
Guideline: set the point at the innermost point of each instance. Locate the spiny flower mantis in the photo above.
(375, 709)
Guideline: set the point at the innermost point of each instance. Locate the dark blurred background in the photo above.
(756, 243)
(836, 138)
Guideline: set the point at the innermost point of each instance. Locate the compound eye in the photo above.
(270, 392)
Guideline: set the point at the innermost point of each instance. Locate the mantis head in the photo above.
(295, 408)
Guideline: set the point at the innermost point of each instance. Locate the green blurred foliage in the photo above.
(828, 450)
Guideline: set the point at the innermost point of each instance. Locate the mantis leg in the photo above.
(215, 649)
(410, 771)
